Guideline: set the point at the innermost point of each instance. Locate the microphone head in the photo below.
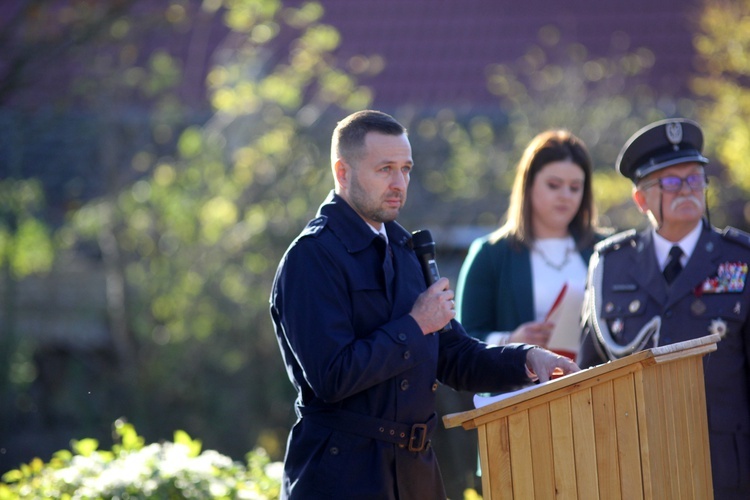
(423, 242)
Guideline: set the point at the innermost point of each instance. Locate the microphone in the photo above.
(424, 247)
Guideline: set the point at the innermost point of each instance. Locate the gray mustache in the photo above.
(692, 199)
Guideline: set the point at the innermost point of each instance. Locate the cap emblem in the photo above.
(674, 134)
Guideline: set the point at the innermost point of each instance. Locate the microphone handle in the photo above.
(431, 274)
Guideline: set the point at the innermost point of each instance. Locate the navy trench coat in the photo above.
(362, 367)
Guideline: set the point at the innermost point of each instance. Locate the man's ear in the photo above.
(342, 172)
(639, 197)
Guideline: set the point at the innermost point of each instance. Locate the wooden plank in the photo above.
(582, 413)
(643, 433)
(541, 451)
(483, 437)
(563, 453)
(605, 434)
(497, 473)
(678, 373)
(629, 452)
(657, 433)
(668, 388)
(704, 486)
(686, 348)
(520, 455)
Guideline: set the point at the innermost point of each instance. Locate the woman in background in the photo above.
(511, 277)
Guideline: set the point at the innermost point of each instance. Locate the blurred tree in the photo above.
(723, 47)
(25, 248)
(191, 242)
(34, 33)
(554, 84)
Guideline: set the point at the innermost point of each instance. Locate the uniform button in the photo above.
(404, 385)
(407, 355)
(434, 387)
(334, 450)
(402, 337)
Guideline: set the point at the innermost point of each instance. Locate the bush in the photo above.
(132, 470)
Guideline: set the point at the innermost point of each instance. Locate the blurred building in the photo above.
(418, 56)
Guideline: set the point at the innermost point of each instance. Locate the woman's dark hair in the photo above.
(548, 147)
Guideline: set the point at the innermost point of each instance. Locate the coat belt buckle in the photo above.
(418, 434)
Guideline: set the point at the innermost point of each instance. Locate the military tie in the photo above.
(673, 267)
(388, 269)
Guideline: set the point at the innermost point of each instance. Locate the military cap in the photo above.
(661, 145)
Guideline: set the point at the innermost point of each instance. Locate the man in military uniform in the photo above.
(677, 280)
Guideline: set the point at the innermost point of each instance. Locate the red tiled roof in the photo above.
(437, 51)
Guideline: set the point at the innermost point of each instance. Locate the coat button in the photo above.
(434, 386)
(404, 385)
(407, 355)
(334, 450)
(402, 337)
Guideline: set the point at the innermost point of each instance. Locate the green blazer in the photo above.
(494, 291)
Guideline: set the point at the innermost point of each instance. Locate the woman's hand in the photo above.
(536, 333)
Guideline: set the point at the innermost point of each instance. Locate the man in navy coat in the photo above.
(356, 327)
(680, 279)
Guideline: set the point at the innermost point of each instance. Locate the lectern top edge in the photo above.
(692, 347)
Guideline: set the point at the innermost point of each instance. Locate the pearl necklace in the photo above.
(557, 267)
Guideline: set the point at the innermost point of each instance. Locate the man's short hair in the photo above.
(348, 138)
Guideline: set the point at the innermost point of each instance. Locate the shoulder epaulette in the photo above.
(736, 235)
(314, 227)
(616, 241)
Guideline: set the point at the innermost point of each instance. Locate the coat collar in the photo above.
(352, 230)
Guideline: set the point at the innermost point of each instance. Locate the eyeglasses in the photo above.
(673, 184)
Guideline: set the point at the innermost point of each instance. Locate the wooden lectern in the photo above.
(631, 428)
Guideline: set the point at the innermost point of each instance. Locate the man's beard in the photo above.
(369, 207)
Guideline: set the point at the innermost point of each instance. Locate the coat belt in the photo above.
(414, 437)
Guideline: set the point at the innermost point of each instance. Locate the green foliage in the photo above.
(197, 236)
(723, 46)
(26, 246)
(132, 469)
(603, 100)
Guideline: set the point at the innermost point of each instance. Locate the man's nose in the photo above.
(398, 180)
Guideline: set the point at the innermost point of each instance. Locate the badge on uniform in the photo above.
(730, 278)
(618, 326)
(718, 327)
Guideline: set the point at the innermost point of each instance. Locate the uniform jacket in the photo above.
(495, 286)
(353, 354)
(710, 295)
